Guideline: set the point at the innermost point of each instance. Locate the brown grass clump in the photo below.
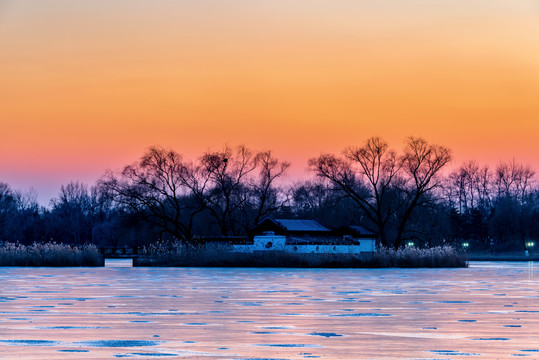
(49, 254)
(220, 255)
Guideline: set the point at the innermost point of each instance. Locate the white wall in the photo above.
(278, 243)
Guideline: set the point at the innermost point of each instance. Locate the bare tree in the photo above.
(312, 198)
(512, 219)
(8, 210)
(72, 211)
(421, 164)
(228, 171)
(378, 166)
(471, 188)
(267, 197)
(170, 192)
(513, 179)
(159, 187)
(385, 186)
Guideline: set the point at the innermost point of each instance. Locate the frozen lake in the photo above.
(487, 311)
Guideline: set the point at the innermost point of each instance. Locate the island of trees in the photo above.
(414, 195)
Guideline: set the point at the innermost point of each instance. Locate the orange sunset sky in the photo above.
(89, 85)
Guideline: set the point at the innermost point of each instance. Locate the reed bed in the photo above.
(411, 257)
(218, 255)
(49, 254)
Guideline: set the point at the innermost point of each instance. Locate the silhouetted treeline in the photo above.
(399, 196)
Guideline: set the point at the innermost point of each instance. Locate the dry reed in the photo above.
(220, 255)
(49, 254)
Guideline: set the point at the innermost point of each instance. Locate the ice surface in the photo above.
(487, 311)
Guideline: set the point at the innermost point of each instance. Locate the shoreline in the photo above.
(502, 256)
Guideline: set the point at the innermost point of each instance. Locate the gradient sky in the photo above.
(89, 85)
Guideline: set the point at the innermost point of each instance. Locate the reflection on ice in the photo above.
(453, 353)
(144, 355)
(29, 342)
(291, 345)
(360, 315)
(118, 343)
(71, 327)
(324, 334)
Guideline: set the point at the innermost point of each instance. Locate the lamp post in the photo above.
(529, 246)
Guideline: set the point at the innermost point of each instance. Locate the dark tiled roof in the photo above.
(361, 230)
(302, 225)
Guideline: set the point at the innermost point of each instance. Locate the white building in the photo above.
(307, 237)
